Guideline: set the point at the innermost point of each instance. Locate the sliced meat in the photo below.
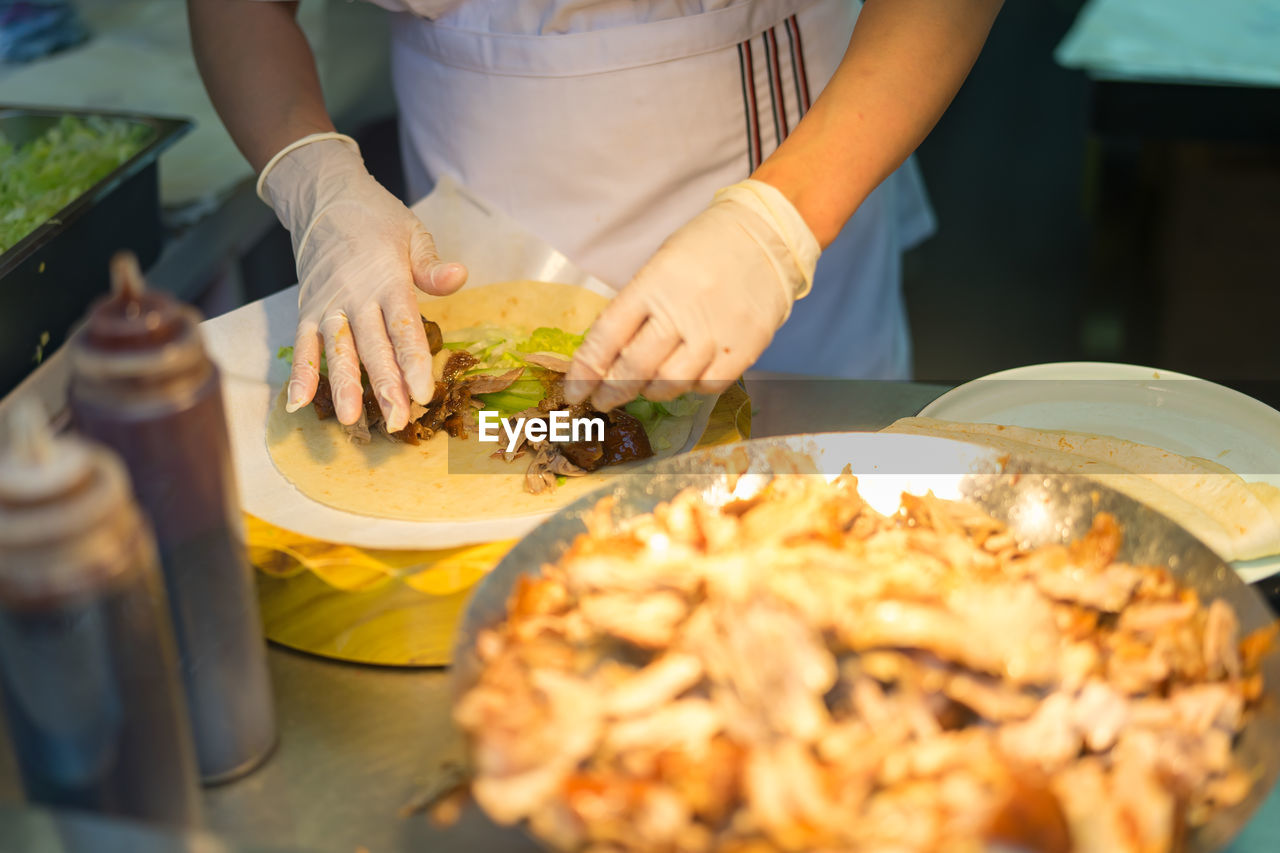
(1101, 713)
(450, 406)
(1201, 707)
(493, 384)
(1099, 547)
(1153, 618)
(709, 779)
(562, 467)
(682, 724)
(458, 363)
(358, 432)
(991, 698)
(372, 411)
(415, 432)
(654, 686)
(456, 425)
(554, 363)
(1048, 739)
(554, 398)
(1135, 667)
(648, 621)
(1108, 589)
(1221, 632)
(538, 477)
(625, 439)
(769, 661)
(1032, 818)
(322, 402)
(586, 455)
(1003, 631)
(790, 798)
(563, 727)
(435, 340)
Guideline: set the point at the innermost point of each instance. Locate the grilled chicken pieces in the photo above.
(796, 672)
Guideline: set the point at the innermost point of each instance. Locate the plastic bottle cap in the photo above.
(133, 318)
(37, 466)
(135, 335)
(54, 487)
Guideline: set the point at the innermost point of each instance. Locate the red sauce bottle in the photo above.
(88, 668)
(143, 385)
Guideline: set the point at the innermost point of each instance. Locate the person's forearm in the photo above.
(905, 62)
(259, 72)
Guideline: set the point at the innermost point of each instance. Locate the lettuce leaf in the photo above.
(499, 349)
(520, 395)
(483, 342)
(550, 340)
(650, 413)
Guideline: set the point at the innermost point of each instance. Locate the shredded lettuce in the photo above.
(549, 340)
(480, 341)
(45, 175)
(496, 346)
(501, 349)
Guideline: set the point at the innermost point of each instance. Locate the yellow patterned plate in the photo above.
(394, 608)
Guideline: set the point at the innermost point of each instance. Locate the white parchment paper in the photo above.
(244, 344)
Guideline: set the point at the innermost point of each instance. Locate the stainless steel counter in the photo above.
(359, 743)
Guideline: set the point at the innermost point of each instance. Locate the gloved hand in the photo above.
(704, 307)
(360, 252)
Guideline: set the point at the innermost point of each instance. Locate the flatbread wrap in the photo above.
(1238, 519)
(511, 341)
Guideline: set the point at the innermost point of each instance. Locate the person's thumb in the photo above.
(430, 274)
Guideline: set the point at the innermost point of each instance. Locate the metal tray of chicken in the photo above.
(49, 277)
(1039, 505)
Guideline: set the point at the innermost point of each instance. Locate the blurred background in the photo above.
(1126, 208)
(1107, 183)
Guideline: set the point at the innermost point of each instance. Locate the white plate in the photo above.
(244, 343)
(1180, 413)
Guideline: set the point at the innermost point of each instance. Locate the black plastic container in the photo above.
(49, 277)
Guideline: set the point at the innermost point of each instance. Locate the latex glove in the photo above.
(704, 307)
(360, 252)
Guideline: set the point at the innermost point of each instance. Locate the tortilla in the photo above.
(1238, 519)
(446, 479)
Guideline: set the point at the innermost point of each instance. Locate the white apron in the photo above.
(604, 125)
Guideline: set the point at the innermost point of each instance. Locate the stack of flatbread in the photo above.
(1238, 519)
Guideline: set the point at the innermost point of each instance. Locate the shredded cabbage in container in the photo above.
(40, 178)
